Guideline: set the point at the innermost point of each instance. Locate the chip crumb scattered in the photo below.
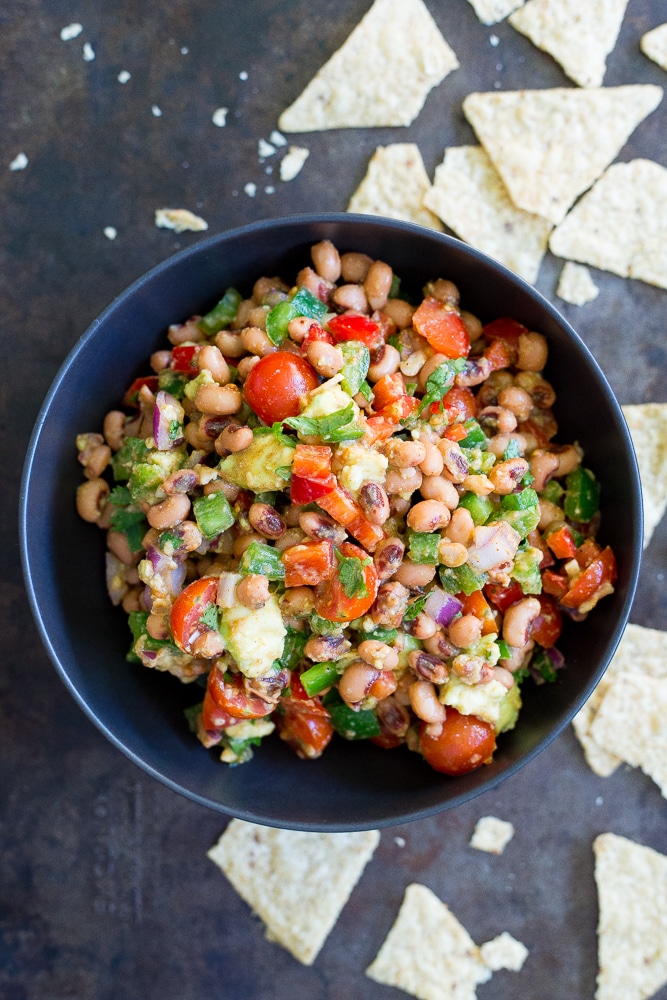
(250, 189)
(394, 186)
(88, 52)
(576, 285)
(124, 76)
(180, 220)
(549, 146)
(110, 232)
(156, 111)
(648, 428)
(492, 11)
(631, 883)
(277, 138)
(20, 162)
(292, 162)
(491, 834)
(654, 45)
(243, 75)
(470, 198)
(494, 41)
(296, 882)
(504, 952)
(219, 117)
(269, 189)
(428, 953)
(400, 34)
(265, 149)
(578, 35)
(71, 31)
(399, 841)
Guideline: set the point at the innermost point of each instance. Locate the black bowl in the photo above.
(353, 786)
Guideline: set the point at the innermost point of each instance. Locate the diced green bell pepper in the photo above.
(262, 558)
(302, 303)
(213, 514)
(520, 501)
(359, 725)
(481, 508)
(552, 492)
(357, 361)
(172, 382)
(475, 438)
(423, 547)
(222, 314)
(318, 677)
(523, 521)
(582, 495)
(133, 451)
(461, 579)
(293, 649)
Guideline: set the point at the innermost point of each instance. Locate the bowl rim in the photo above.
(228, 236)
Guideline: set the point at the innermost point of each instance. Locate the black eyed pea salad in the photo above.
(333, 508)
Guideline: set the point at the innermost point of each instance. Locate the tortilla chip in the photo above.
(648, 428)
(428, 953)
(297, 883)
(632, 927)
(491, 834)
(578, 35)
(621, 224)
(504, 952)
(654, 45)
(469, 197)
(394, 186)
(631, 722)
(549, 146)
(576, 285)
(492, 11)
(179, 219)
(381, 75)
(641, 651)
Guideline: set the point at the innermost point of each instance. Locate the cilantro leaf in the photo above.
(351, 575)
(415, 608)
(133, 524)
(210, 617)
(279, 434)
(120, 496)
(285, 472)
(332, 428)
(441, 381)
(512, 449)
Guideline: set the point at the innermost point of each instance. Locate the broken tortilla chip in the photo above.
(394, 186)
(492, 11)
(504, 952)
(380, 76)
(470, 198)
(620, 225)
(428, 953)
(578, 35)
(647, 423)
(297, 883)
(632, 927)
(180, 220)
(654, 45)
(576, 285)
(549, 146)
(641, 651)
(491, 834)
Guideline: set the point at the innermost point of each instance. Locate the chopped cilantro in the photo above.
(440, 381)
(512, 449)
(133, 524)
(210, 617)
(351, 575)
(335, 427)
(415, 608)
(120, 496)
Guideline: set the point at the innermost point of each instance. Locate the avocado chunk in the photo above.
(255, 467)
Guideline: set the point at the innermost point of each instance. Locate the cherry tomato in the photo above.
(353, 327)
(214, 718)
(547, 627)
(459, 404)
(443, 328)
(331, 601)
(504, 328)
(276, 383)
(463, 744)
(503, 597)
(303, 722)
(229, 696)
(188, 609)
(601, 570)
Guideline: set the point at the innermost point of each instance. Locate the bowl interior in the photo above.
(353, 786)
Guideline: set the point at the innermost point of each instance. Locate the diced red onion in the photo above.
(227, 589)
(493, 545)
(117, 586)
(168, 413)
(442, 607)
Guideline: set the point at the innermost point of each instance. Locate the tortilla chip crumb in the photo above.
(179, 219)
(632, 927)
(296, 882)
(576, 285)
(394, 186)
(654, 45)
(504, 952)
(648, 428)
(491, 835)
(292, 162)
(492, 11)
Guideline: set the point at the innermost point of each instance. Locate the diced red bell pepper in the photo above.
(345, 509)
(547, 627)
(503, 597)
(476, 604)
(500, 354)
(310, 490)
(456, 432)
(442, 326)
(350, 326)
(308, 563)
(601, 570)
(587, 552)
(400, 409)
(131, 396)
(562, 543)
(378, 429)
(504, 328)
(386, 326)
(459, 404)
(315, 333)
(184, 358)
(555, 583)
(387, 390)
(312, 461)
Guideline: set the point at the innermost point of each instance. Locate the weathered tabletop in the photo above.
(105, 888)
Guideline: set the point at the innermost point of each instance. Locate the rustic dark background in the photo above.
(105, 888)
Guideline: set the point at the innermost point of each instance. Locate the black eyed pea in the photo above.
(326, 260)
(460, 528)
(91, 498)
(404, 454)
(229, 344)
(517, 400)
(377, 284)
(326, 359)
(428, 516)
(569, 458)
(208, 645)
(439, 488)
(518, 619)
(159, 360)
(113, 429)
(356, 682)
(532, 352)
(256, 341)
(234, 437)
(414, 576)
(222, 400)
(424, 702)
(455, 464)
(378, 654)
(266, 520)
(169, 513)
(403, 481)
(543, 465)
(472, 324)
(210, 359)
(452, 554)
(432, 463)
(388, 557)
(465, 631)
(253, 591)
(374, 502)
(118, 544)
(384, 361)
(444, 290)
(246, 365)
(507, 475)
(351, 297)
(399, 312)
(355, 267)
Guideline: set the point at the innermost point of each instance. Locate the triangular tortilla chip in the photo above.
(428, 953)
(632, 928)
(296, 882)
(549, 146)
(575, 285)
(648, 428)
(492, 11)
(394, 186)
(620, 225)
(468, 196)
(641, 651)
(654, 45)
(380, 76)
(578, 35)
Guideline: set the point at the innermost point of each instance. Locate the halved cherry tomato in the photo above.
(500, 354)
(547, 627)
(309, 490)
(276, 383)
(303, 722)
(477, 605)
(459, 404)
(503, 597)
(214, 718)
(308, 563)
(463, 743)
(443, 328)
(588, 552)
(555, 583)
(387, 390)
(184, 358)
(601, 570)
(504, 328)
(562, 543)
(188, 608)
(131, 396)
(331, 601)
(349, 326)
(315, 332)
(228, 695)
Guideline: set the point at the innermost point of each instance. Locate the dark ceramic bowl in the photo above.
(353, 786)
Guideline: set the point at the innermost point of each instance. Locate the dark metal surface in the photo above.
(105, 888)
